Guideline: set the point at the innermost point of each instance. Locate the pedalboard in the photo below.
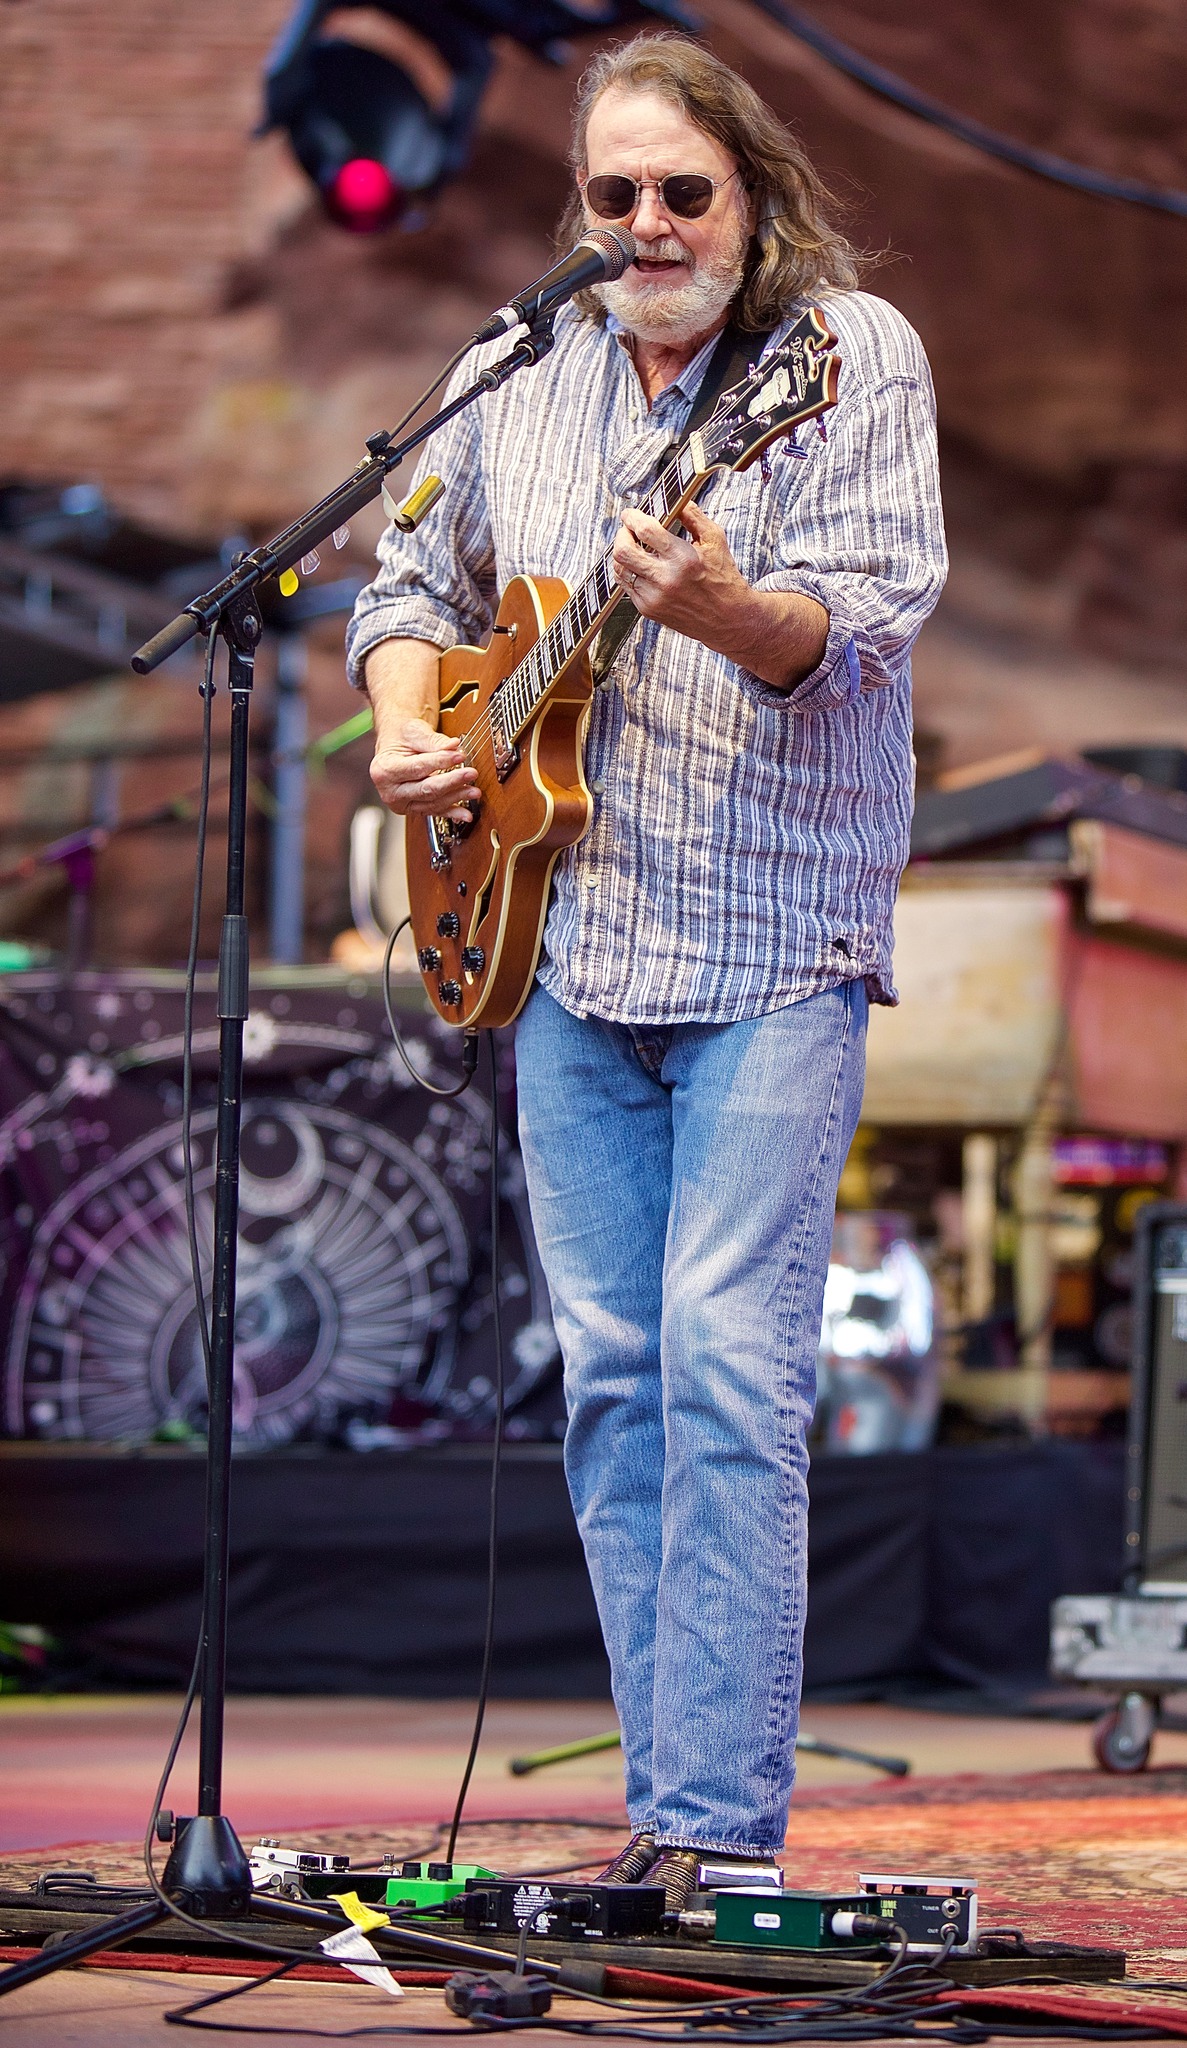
(741, 1906)
(566, 1912)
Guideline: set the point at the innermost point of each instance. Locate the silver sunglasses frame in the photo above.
(642, 185)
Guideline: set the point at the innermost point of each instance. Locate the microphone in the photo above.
(600, 256)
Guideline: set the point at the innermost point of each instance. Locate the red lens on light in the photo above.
(364, 196)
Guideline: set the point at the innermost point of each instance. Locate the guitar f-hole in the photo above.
(482, 902)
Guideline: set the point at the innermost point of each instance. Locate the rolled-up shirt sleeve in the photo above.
(436, 584)
(865, 538)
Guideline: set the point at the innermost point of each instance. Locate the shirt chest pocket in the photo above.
(751, 517)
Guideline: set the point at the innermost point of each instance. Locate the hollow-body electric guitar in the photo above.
(479, 891)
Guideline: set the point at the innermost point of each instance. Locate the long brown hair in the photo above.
(794, 248)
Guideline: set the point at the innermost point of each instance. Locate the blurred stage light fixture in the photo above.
(361, 128)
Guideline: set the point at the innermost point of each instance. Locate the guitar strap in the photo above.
(731, 360)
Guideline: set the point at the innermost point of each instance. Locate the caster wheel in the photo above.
(1121, 1739)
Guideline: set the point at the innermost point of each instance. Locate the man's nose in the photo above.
(651, 223)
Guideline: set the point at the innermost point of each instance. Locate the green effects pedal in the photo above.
(806, 1920)
(431, 1884)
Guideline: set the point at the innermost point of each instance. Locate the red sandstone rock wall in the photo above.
(179, 322)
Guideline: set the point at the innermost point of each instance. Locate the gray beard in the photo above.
(676, 314)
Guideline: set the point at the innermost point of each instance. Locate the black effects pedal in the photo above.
(570, 1912)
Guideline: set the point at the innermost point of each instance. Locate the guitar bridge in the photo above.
(505, 751)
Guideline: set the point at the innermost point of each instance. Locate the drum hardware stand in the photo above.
(207, 1872)
(808, 1745)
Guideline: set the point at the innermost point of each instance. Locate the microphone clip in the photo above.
(532, 349)
(540, 336)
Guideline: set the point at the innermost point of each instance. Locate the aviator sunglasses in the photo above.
(686, 195)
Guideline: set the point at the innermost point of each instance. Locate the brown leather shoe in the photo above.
(631, 1864)
(676, 1870)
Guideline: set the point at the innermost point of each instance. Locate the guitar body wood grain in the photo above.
(494, 877)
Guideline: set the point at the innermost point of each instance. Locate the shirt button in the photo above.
(591, 881)
(598, 786)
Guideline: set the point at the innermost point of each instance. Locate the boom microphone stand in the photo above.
(207, 1873)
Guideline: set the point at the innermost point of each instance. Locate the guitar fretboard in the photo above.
(520, 694)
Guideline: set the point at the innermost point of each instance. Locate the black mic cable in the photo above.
(599, 257)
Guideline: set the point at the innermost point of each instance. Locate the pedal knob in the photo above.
(428, 959)
(449, 925)
(450, 993)
(473, 959)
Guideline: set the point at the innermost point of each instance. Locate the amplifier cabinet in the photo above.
(1156, 1469)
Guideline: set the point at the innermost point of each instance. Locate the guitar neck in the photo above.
(520, 695)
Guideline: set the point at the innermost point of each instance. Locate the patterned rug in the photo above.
(1068, 1855)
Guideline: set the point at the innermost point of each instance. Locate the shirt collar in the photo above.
(688, 383)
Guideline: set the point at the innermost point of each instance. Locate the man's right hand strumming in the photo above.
(416, 768)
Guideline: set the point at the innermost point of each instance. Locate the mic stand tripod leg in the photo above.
(108, 1934)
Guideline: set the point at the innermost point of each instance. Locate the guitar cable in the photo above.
(469, 1068)
(469, 1041)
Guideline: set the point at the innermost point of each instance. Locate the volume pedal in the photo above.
(449, 925)
(428, 959)
(449, 993)
(473, 959)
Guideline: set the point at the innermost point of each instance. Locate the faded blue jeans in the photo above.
(682, 1181)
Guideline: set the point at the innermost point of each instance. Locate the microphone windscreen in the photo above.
(618, 245)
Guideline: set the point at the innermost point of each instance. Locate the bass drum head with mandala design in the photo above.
(350, 1259)
(364, 1311)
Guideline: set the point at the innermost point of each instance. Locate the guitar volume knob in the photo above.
(450, 993)
(428, 959)
(449, 925)
(473, 959)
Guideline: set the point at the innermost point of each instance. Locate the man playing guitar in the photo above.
(691, 1055)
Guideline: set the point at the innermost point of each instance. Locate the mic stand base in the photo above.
(207, 1873)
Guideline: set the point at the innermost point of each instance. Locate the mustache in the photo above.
(665, 249)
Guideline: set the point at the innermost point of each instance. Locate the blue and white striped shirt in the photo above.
(746, 843)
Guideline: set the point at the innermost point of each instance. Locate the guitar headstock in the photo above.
(794, 382)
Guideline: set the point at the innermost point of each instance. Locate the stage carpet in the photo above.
(1067, 1854)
